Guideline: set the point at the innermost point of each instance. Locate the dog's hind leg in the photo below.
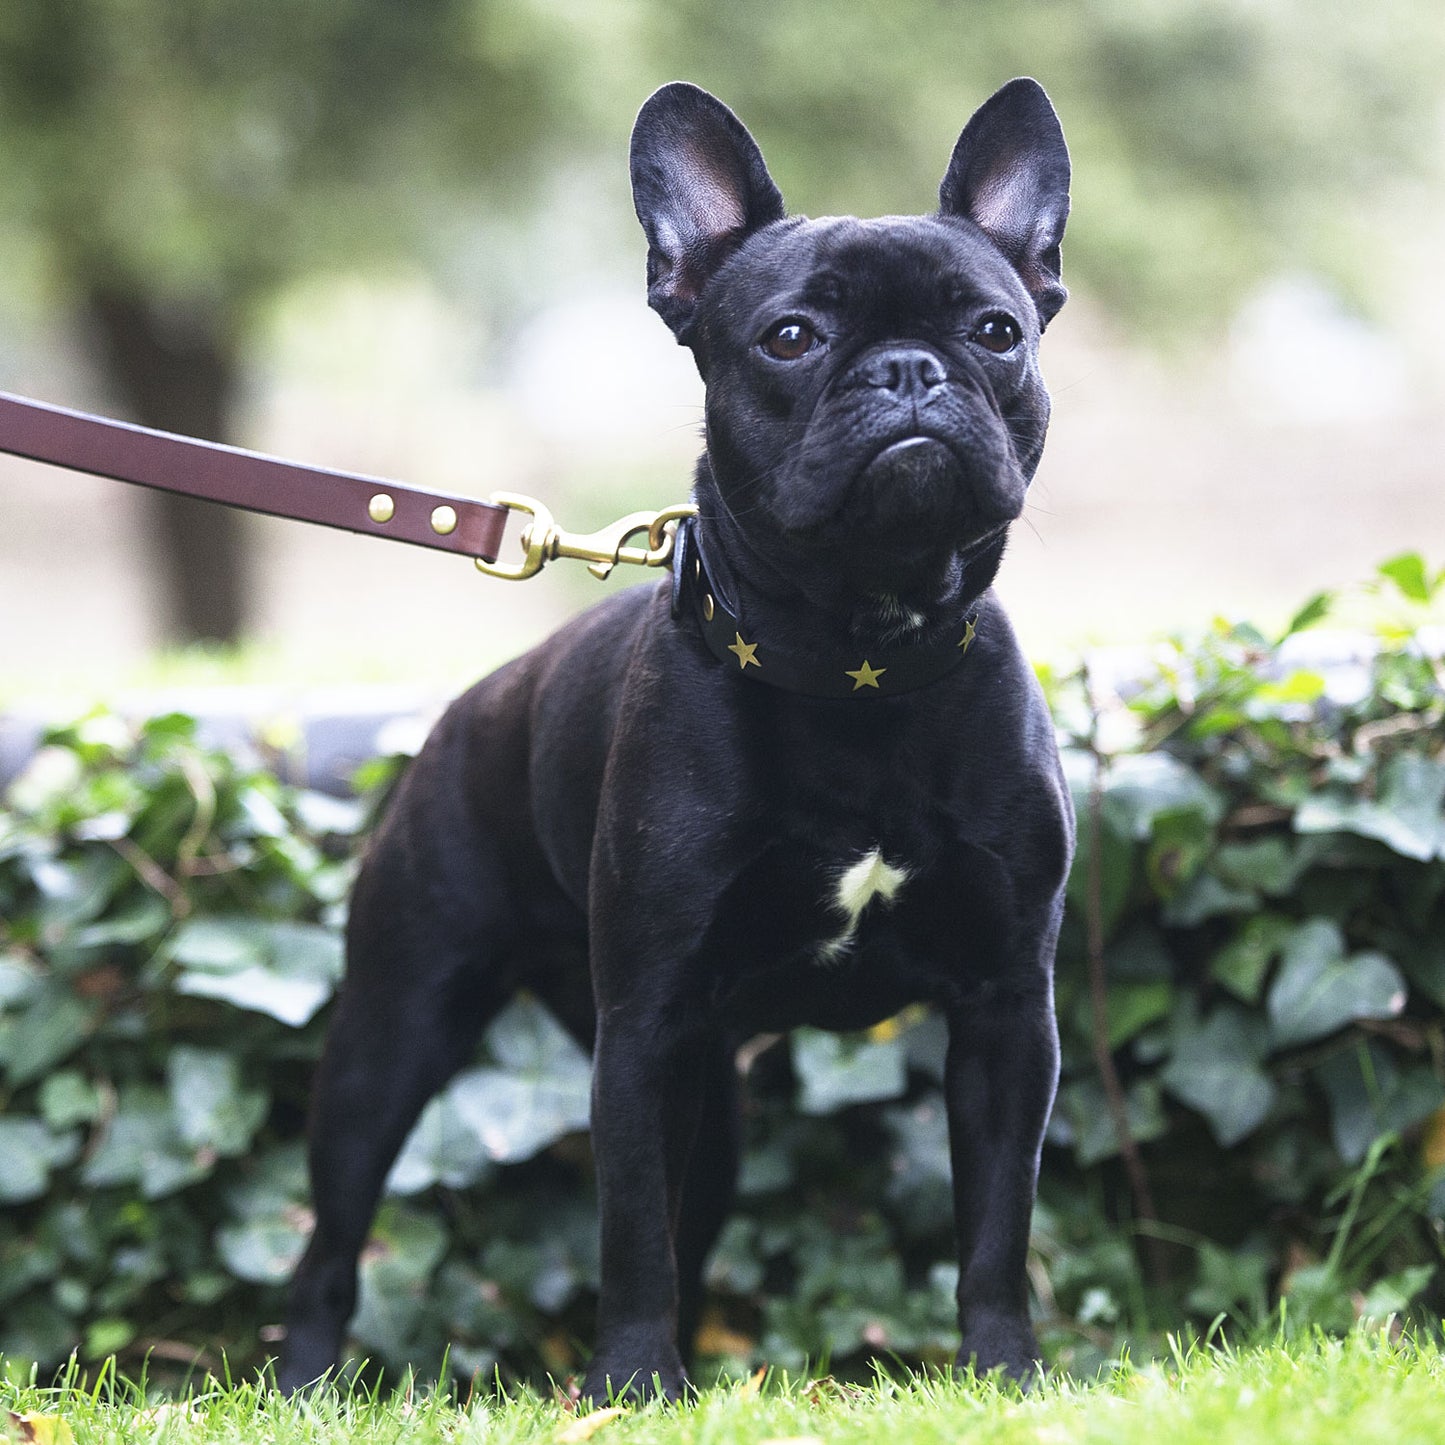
(708, 1189)
(418, 994)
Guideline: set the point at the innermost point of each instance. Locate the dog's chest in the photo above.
(839, 937)
(870, 882)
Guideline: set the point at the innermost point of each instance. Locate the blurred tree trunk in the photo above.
(176, 370)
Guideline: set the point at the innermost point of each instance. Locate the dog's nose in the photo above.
(907, 371)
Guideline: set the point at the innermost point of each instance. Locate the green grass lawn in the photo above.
(1361, 1390)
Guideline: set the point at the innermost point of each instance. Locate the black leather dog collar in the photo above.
(733, 643)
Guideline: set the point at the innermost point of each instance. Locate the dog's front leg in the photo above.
(647, 1090)
(1002, 1070)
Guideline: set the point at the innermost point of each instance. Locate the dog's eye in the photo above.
(790, 339)
(998, 333)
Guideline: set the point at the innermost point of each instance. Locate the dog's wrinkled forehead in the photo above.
(884, 273)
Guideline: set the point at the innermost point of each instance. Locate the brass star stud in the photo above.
(969, 633)
(866, 676)
(745, 652)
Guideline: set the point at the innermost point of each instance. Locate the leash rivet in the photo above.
(708, 606)
(381, 508)
(444, 520)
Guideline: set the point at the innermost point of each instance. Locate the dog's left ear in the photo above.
(1010, 175)
(700, 188)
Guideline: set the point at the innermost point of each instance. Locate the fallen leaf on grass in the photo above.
(826, 1388)
(753, 1383)
(586, 1426)
(38, 1429)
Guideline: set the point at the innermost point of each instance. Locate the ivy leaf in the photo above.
(1408, 573)
(287, 970)
(543, 1094)
(1315, 610)
(526, 1037)
(1394, 1294)
(1215, 1070)
(396, 1268)
(140, 1146)
(1370, 1096)
(264, 1249)
(1180, 841)
(217, 945)
(1231, 1279)
(1083, 1120)
(1204, 897)
(275, 1180)
(1138, 787)
(1316, 1297)
(1272, 866)
(265, 1240)
(1319, 989)
(20, 980)
(48, 1031)
(211, 1109)
(76, 888)
(1408, 816)
(28, 1152)
(52, 774)
(141, 920)
(68, 1098)
(293, 1001)
(260, 816)
(1243, 964)
(442, 1148)
(835, 1070)
(1129, 1008)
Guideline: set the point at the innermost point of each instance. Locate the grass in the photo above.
(1361, 1390)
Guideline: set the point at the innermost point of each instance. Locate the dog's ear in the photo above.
(700, 187)
(1010, 175)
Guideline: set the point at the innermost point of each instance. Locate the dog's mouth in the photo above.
(911, 471)
(926, 483)
(909, 491)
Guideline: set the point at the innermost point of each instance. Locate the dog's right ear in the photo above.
(700, 188)
(1010, 175)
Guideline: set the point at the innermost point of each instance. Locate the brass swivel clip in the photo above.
(543, 541)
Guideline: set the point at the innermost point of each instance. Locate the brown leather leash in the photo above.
(377, 508)
(351, 501)
(250, 480)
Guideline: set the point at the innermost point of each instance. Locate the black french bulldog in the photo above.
(811, 782)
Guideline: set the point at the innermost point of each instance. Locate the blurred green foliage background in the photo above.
(204, 154)
(182, 182)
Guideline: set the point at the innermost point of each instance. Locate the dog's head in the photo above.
(873, 391)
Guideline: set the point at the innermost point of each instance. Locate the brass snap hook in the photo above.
(543, 541)
(533, 539)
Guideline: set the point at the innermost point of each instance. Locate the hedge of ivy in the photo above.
(1251, 1121)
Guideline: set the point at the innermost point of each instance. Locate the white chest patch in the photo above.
(871, 877)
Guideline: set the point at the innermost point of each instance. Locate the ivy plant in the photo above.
(1251, 1119)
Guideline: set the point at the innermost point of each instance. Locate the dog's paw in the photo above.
(1004, 1345)
(635, 1376)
